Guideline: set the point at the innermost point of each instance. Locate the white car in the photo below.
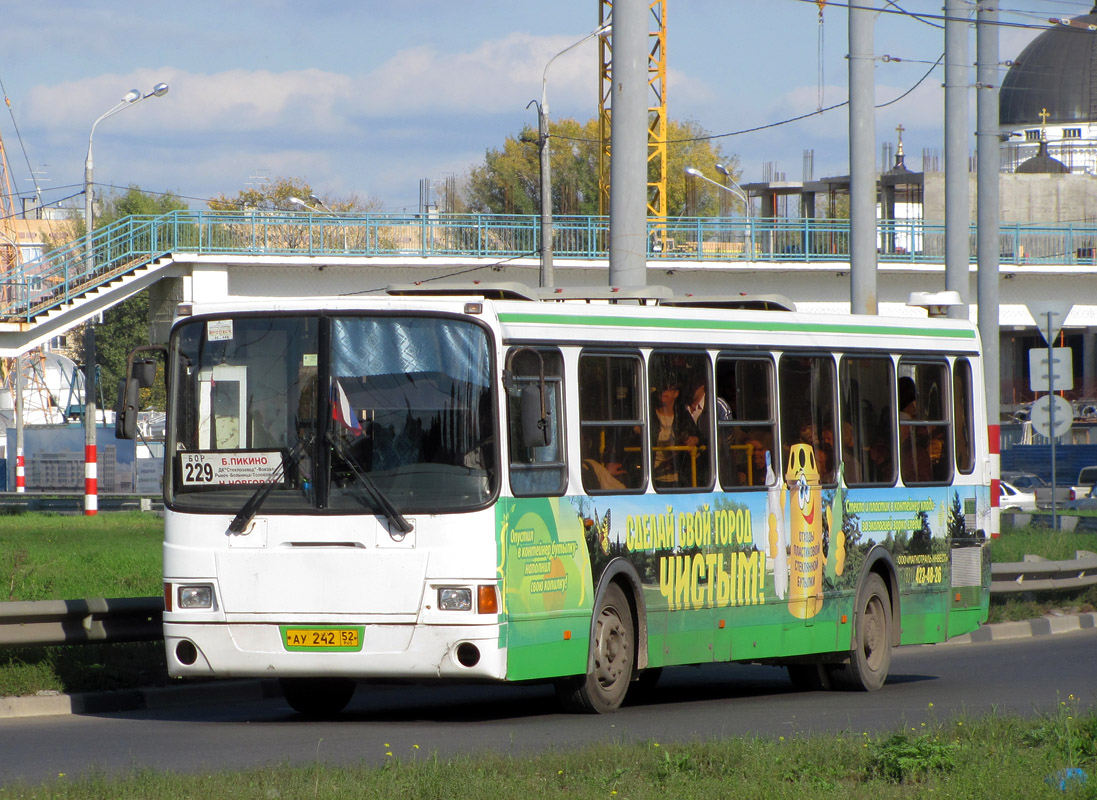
(1013, 499)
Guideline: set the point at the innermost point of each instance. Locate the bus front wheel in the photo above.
(613, 659)
(317, 697)
(870, 656)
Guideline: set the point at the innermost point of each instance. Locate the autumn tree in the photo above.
(509, 179)
(275, 194)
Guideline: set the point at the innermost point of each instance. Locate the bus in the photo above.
(576, 486)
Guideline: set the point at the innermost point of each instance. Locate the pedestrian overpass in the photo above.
(208, 255)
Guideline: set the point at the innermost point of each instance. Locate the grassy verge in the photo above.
(1014, 545)
(51, 557)
(994, 756)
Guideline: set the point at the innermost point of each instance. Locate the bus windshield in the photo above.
(350, 414)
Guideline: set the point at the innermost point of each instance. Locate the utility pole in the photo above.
(862, 162)
(957, 191)
(628, 166)
(988, 143)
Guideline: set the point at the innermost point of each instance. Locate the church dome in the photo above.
(1057, 72)
(1043, 163)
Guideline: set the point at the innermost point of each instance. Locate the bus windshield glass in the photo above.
(351, 414)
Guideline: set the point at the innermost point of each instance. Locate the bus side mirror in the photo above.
(145, 373)
(125, 417)
(535, 426)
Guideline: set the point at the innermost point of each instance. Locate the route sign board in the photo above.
(1050, 374)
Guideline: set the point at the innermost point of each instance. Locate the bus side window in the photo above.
(611, 422)
(536, 468)
(745, 421)
(867, 421)
(807, 385)
(962, 415)
(925, 449)
(681, 420)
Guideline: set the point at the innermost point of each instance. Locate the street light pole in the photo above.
(738, 192)
(297, 201)
(696, 173)
(547, 278)
(91, 480)
(131, 98)
(731, 179)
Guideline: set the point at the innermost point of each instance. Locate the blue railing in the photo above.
(62, 274)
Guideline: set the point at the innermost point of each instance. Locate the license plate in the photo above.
(322, 638)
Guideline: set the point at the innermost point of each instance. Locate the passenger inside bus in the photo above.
(914, 446)
(605, 465)
(675, 437)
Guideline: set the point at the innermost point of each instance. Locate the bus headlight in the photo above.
(455, 599)
(200, 596)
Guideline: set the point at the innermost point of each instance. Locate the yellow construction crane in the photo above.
(9, 237)
(657, 111)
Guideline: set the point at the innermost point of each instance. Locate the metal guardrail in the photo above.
(133, 619)
(97, 619)
(133, 242)
(1036, 574)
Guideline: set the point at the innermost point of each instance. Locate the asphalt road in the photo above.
(1025, 676)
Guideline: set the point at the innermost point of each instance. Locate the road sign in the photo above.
(1039, 369)
(1040, 415)
(1049, 316)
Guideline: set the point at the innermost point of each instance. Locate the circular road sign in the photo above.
(1040, 414)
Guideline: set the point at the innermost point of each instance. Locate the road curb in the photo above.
(244, 691)
(1041, 626)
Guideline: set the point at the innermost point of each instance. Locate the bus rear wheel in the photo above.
(613, 659)
(317, 697)
(870, 656)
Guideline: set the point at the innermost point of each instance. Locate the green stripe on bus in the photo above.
(768, 326)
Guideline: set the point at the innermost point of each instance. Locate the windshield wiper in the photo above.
(248, 511)
(380, 499)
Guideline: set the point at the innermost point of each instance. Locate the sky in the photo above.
(367, 97)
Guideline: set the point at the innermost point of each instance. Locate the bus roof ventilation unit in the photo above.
(750, 302)
(638, 295)
(499, 290)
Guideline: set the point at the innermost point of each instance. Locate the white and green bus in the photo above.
(575, 486)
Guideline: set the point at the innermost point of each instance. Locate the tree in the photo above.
(509, 180)
(274, 195)
(126, 325)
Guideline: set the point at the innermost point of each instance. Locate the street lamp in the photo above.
(91, 487)
(696, 173)
(546, 278)
(731, 179)
(297, 201)
(131, 98)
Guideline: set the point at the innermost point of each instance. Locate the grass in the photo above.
(995, 756)
(1014, 545)
(50, 557)
(53, 557)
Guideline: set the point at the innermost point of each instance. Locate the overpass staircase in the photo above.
(43, 298)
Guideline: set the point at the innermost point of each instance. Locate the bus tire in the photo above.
(870, 656)
(317, 697)
(612, 656)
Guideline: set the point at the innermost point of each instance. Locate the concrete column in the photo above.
(628, 207)
(862, 162)
(957, 192)
(1089, 364)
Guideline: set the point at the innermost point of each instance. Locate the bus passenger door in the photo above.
(222, 408)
